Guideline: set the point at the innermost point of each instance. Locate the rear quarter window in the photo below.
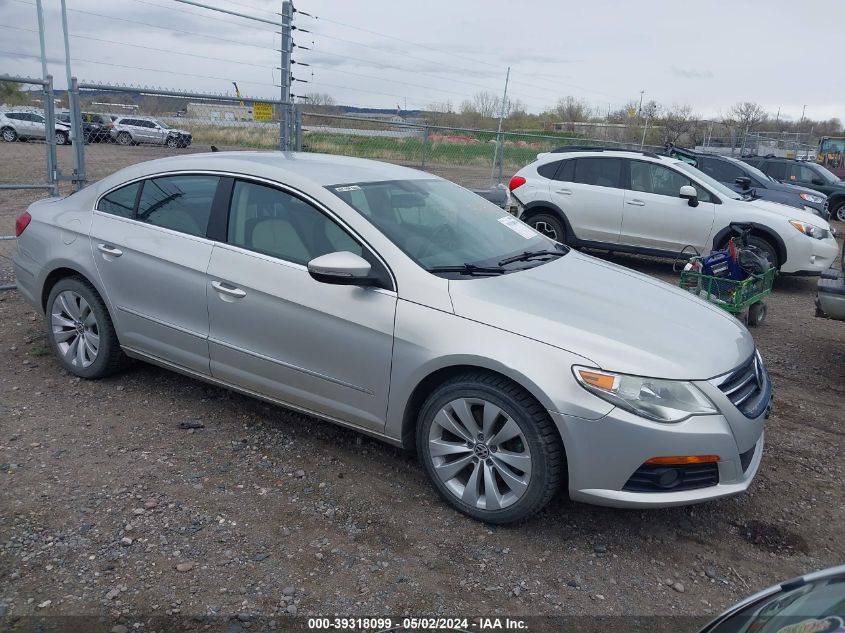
(120, 202)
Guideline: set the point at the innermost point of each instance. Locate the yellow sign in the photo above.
(262, 111)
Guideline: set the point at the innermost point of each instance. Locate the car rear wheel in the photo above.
(839, 212)
(489, 448)
(61, 138)
(172, 142)
(549, 225)
(80, 330)
(124, 138)
(9, 135)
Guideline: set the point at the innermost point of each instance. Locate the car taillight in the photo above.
(516, 181)
(22, 222)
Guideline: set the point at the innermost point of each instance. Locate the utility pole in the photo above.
(75, 113)
(499, 144)
(287, 46)
(640, 109)
(803, 112)
(777, 118)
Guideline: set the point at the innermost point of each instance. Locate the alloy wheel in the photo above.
(480, 454)
(840, 213)
(546, 229)
(75, 329)
(9, 135)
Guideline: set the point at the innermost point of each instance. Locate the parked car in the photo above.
(812, 603)
(136, 130)
(806, 174)
(830, 292)
(19, 125)
(406, 307)
(100, 126)
(747, 180)
(640, 202)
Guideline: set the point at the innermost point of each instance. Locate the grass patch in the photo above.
(39, 350)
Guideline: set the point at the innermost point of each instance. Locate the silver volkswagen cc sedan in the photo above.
(406, 307)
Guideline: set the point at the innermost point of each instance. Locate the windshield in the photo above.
(163, 126)
(707, 180)
(826, 175)
(437, 223)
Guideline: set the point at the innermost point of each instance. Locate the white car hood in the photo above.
(786, 211)
(622, 320)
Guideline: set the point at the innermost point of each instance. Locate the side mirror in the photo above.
(744, 182)
(689, 194)
(341, 268)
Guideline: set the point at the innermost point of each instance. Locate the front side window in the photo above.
(776, 170)
(120, 202)
(179, 203)
(601, 172)
(801, 173)
(662, 181)
(437, 223)
(275, 223)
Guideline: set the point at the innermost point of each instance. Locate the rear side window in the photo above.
(775, 170)
(120, 202)
(549, 169)
(601, 172)
(662, 181)
(179, 203)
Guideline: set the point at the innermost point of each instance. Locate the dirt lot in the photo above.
(109, 509)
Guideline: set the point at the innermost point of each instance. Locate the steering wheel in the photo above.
(443, 236)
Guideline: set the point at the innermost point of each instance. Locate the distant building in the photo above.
(219, 112)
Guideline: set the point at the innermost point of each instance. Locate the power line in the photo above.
(253, 25)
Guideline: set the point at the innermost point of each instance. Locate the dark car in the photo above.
(95, 127)
(806, 174)
(748, 180)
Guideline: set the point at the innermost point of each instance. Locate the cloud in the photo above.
(691, 73)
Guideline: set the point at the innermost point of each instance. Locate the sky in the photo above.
(387, 53)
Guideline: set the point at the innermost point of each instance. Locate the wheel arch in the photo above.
(542, 206)
(759, 230)
(64, 270)
(436, 377)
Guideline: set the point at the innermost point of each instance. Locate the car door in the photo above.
(276, 331)
(37, 129)
(656, 217)
(151, 251)
(803, 175)
(589, 192)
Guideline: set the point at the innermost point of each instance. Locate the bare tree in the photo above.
(570, 109)
(746, 116)
(678, 122)
(486, 104)
(319, 99)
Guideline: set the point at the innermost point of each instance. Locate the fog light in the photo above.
(812, 259)
(668, 478)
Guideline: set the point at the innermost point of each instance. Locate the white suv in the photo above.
(631, 201)
(19, 125)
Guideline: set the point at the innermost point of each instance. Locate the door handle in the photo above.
(226, 289)
(635, 203)
(108, 249)
(566, 192)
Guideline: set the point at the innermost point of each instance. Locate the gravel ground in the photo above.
(111, 509)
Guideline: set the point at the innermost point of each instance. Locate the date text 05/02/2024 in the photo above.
(481, 624)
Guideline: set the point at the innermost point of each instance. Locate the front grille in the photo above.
(749, 388)
(647, 478)
(746, 457)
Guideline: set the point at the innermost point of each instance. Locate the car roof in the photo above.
(606, 153)
(320, 169)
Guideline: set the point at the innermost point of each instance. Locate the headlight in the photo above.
(809, 197)
(652, 398)
(809, 229)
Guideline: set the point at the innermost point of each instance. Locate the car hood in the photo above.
(619, 319)
(176, 130)
(796, 189)
(788, 212)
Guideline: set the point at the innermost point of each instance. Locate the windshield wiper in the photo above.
(527, 255)
(468, 269)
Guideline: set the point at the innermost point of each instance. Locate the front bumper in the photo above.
(603, 454)
(808, 256)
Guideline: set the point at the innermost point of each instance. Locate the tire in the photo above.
(61, 138)
(80, 330)
(757, 314)
(767, 248)
(9, 135)
(839, 212)
(173, 142)
(461, 473)
(124, 138)
(549, 225)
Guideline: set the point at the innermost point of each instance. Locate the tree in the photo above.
(319, 99)
(11, 94)
(678, 122)
(571, 110)
(486, 104)
(746, 116)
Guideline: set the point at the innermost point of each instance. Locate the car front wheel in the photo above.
(61, 138)
(9, 135)
(839, 212)
(489, 448)
(124, 138)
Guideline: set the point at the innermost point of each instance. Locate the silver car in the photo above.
(136, 130)
(20, 125)
(408, 308)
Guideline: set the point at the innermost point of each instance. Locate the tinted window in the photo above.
(776, 170)
(180, 203)
(567, 172)
(275, 223)
(549, 169)
(721, 170)
(120, 202)
(602, 172)
(36, 118)
(800, 173)
(14, 116)
(660, 180)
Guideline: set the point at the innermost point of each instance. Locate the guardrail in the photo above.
(7, 238)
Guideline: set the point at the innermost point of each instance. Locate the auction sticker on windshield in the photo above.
(518, 226)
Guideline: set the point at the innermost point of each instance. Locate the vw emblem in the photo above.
(481, 451)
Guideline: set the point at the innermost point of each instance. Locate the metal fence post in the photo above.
(50, 137)
(287, 41)
(298, 130)
(78, 138)
(424, 149)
